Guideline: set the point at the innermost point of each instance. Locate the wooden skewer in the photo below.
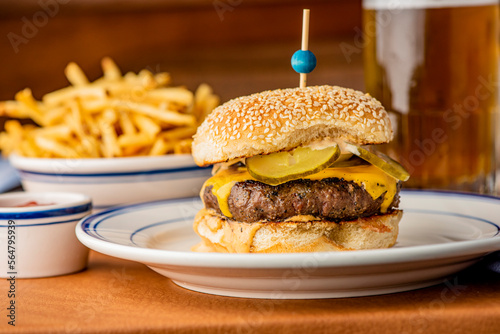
(305, 43)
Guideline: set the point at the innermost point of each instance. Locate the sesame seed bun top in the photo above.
(283, 119)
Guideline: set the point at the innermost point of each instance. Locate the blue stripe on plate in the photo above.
(42, 224)
(47, 213)
(147, 172)
(454, 214)
(201, 174)
(98, 218)
(164, 222)
(449, 193)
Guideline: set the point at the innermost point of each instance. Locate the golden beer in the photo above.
(434, 66)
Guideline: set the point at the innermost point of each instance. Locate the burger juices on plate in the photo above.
(293, 172)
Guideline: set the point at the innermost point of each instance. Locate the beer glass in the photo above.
(433, 64)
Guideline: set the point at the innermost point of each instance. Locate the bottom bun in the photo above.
(299, 234)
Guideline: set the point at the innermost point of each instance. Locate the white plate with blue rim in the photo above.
(114, 181)
(441, 233)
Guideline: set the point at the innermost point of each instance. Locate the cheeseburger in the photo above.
(294, 172)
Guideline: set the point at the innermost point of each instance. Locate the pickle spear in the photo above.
(280, 167)
(381, 161)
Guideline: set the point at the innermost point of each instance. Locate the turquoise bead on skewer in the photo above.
(303, 61)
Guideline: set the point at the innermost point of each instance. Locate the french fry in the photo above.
(14, 127)
(126, 124)
(13, 109)
(177, 95)
(75, 75)
(179, 133)
(54, 147)
(183, 146)
(54, 116)
(110, 70)
(204, 102)
(162, 79)
(75, 118)
(146, 125)
(147, 79)
(165, 115)
(135, 140)
(14, 134)
(129, 151)
(66, 94)
(29, 148)
(160, 147)
(61, 132)
(116, 115)
(110, 146)
(89, 147)
(29, 105)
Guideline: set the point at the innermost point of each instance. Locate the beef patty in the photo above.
(330, 199)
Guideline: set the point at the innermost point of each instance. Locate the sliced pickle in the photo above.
(380, 160)
(351, 162)
(344, 156)
(280, 167)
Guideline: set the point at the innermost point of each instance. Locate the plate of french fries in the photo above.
(114, 116)
(104, 137)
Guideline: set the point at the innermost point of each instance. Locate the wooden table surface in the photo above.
(119, 296)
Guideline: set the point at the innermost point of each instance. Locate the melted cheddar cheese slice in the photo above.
(374, 181)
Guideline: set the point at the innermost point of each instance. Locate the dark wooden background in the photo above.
(237, 46)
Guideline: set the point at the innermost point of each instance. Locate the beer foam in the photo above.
(409, 4)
